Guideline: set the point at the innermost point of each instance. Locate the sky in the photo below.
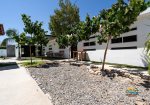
(41, 10)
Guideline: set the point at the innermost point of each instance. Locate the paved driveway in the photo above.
(18, 88)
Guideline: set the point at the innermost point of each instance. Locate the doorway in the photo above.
(73, 48)
(11, 50)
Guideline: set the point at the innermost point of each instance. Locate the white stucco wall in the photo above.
(55, 48)
(3, 52)
(135, 57)
(12, 42)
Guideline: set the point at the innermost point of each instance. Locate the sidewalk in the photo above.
(18, 88)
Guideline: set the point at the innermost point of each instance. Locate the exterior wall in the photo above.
(135, 57)
(3, 52)
(12, 42)
(55, 48)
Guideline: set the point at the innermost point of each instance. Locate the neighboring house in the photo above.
(53, 48)
(127, 49)
(13, 50)
(3, 52)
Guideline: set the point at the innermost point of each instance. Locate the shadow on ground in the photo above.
(8, 66)
(146, 84)
(47, 65)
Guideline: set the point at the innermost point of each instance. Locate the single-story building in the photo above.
(3, 52)
(54, 50)
(13, 49)
(129, 48)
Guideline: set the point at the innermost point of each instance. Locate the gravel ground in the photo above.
(71, 85)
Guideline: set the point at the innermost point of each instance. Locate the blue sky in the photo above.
(10, 11)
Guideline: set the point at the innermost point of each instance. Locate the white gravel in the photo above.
(71, 85)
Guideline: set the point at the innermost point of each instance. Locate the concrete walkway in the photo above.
(18, 88)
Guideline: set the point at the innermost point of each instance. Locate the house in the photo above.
(3, 52)
(127, 49)
(54, 49)
(13, 49)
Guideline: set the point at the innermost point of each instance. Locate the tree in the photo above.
(110, 22)
(30, 29)
(4, 42)
(41, 39)
(34, 29)
(86, 28)
(20, 39)
(117, 19)
(147, 45)
(64, 20)
(81, 31)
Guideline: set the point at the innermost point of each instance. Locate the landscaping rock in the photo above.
(73, 85)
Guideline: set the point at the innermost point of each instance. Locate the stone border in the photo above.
(96, 70)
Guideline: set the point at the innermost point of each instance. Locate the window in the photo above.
(132, 29)
(92, 43)
(130, 38)
(116, 40)
(89, 49)
(50, 47)
(121, 48)
(92, 37)
(89, 44)
(86, 44)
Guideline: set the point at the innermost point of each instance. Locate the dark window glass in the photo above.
(117, 40)
(121, 48)
(86, 44)
(132, 29)
(92, 37)
(50, 48)
(130, 38)
(92, 43)
(89, 49)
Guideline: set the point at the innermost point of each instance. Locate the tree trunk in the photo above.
(31, 50)
(41, 52)
(31, 54)
(19, 57)
(70, 53)
(104, 59)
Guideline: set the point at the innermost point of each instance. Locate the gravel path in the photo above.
(71, 85)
